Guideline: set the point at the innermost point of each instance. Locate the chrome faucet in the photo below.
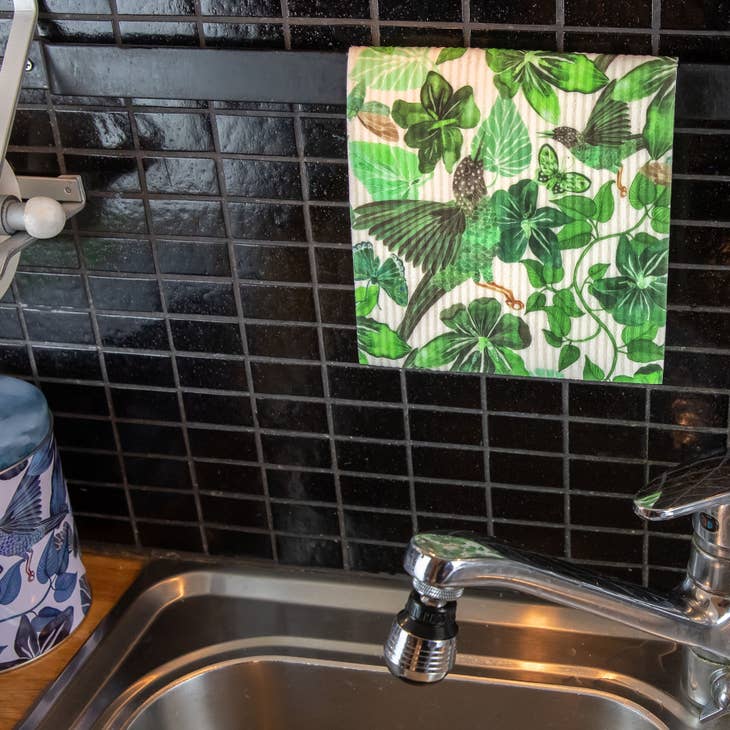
(421, 646)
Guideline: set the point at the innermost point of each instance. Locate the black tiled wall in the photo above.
(193, 328)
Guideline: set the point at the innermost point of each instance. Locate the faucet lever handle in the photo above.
(695, 487)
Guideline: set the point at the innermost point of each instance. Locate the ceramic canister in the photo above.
(44, 594)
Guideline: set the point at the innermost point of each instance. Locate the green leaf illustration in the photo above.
(575, 234)
(598, 271)
(660, 218)
(366, 297)
(642, 192)
(644, 351)
(536, 72)
(535, 302)
(659, 128)
(434, 125)
(482, 339)
(646, 331)
(591, 371)
(503, 142)
(389, 276)
(355, 100)
(534, 273)
(568, 355)
(604, 203)
(649, 374)
(552, 340)
(449, 54)
(558, 320)
(645, 79)
(566, 301)
(578, 207)
(377, 339)
(391, 69)
(386, 171)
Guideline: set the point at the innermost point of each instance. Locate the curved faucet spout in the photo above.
(462, 560)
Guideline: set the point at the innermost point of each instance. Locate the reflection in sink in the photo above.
(284, 693)
(198, 646)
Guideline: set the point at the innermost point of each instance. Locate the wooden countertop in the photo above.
(109, 577)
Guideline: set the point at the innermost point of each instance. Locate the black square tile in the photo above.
(329, 8)
(48, 326)
(364, 384)
(454, 499)
(520, 395)
(235, 543)
(410, 36)
(104, 530)
(53, 362)
(377, 458)
(697, 329)
(10, 325)
(668, 551)
(337, 306)
(145, 404)
(285, 379)
(596, 439)
(305, 519)
(31, 128)
(171, 537)
(76, 31)
(244, 35)
(76, 398)
(156, 7)
(330, 224)
(324, 137)
(283, 341)
(296, 451)
(267, 221)
(384, 423)
(328, 181)
(443, 389)
(190, 297)
(525, 433)
(702, 154)
(376, 558)
(608, 546)
(519, 504)
(548, 540)
(598, 42)
(139, 369)
(329, 37)
(617, 15)
(163, 505)
(216, 444)
(181, 175)
(529, 12)
(105, 173)
(186, 217)
(223, 477)
(182, 257)
(168, 131)
(455, 464)
(683, 444)
(256, 135)
(429, 10)
(594, 511)
(691, 368)
(198, 336)
(141, 295)
(112, 215)
(695, 15)
(301, 485)
(229, 410)
(310, 552)
(292, 415)
(150, 439)
(74, 432)
(360, 525)
(699, 200)
(476, 526)
(98, 500)
(689, 409)
(234, 512)
(91, 467)
(272, 263)
(108, 130)
(606, 476)
(157, 472)
(61, 290)
(118, 255)
(447, 427)
(522, 40)
(248, 8)
(340, 344)
(607, 401)
(203, 372)
(334, 265)
(262, 179)
(526, 469)
(374, 491)
(58, 253)
(144, 333)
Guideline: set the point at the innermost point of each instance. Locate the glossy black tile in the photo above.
(50, 326)
(272, 263)
(329, 8)
(10, 325)
(697, 329)
(284, 379)
(376, 558)
(612, 402)
(157, 472)
(14, 360)
(112, 215)
(517, 504)
(309, 552)
(222, 477)
(277, 302)
(305, 519)
(429, 461)
(362, 384)
(689, 409)
(151, 439)
(587, 42)
(171, 537)
(235, 543)
(695, 48)
(89, 400)
(144, 333)
(183, 257)
(296, 451)
(163, 505)
(699, 199)
(244, 35)
(190, 297)
(181, 217)
(329, 37)
(98, 500)
(523, 396)
(57, 253)
(525, 433)
(301, 485)
(146, 33)
(324, 137)
(133, 295)
(109, 130)
(83, 433)
(181, 175)
(694, 14)
(292, 415)
(701, 154)
(683, 444)
(698, 288)
(519, 39)
(168, 131)
(531, 12)
(429, 10)
(445, 426)
(594, 511)
(234, 512)
(105, 173)
(224, 409)
(599, 439)
(328, 181)
(248, 8)
(75, 6)
(548, 540)
(360, 525)
(104, 530)
(139, 369)
(409, 36)
(118, 255)
(334, 265)
(283, 341)
(689, 368)
(32, 128)
(371, 458)
(198, 336)
(608, 546)
(525, 469)
(54, 362)
(152, 405)
(384, 423)
(582, 12)
(668, 551)
(375, 491)
(76, 31)
(329, 224)
(451, 499)
(156, 7)
(203, 372)
(606, 476)
(60, 290)
(216, 444)
(256, 135)
(337, 306)
(262, 179)
(34, 163)
(267, 221)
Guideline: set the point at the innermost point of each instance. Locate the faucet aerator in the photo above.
(421, 645)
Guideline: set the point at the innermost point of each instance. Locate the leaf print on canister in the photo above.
(523, 188)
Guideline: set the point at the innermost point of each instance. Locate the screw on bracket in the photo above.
(28, 65)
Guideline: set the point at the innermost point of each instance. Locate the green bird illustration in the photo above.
(607, 140)
(444, 239)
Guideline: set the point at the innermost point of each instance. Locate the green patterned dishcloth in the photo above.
(510, 210)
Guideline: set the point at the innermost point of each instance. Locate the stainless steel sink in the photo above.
(198, 646)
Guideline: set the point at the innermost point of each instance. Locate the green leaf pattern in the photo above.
(496, 235)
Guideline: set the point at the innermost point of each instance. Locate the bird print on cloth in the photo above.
(510, 210)
(22, 525)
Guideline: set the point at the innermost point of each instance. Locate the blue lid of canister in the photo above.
(24, 420)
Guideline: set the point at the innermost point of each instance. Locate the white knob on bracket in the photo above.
(39, 217)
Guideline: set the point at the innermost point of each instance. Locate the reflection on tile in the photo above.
(141, 295)
(301, 485)
(157, 472)
(256, 135)
(690, 409)
(95, 129)
(118, 254)
(244, 35)
(182, 217)
(296, 451)
(391, 527)
(146, 33)
(683, 445)
(61, 290)
(272, 263)
(262, 179)
(190, 297)
(181, 175)
(163, 131)
(105, 173)
(31, 128)
(247, 8)
(76, 31)
(112, 215)
(183, 257)
(309, 551)
(267, 221)
(49, 326)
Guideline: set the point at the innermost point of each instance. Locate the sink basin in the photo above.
(195, 646)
